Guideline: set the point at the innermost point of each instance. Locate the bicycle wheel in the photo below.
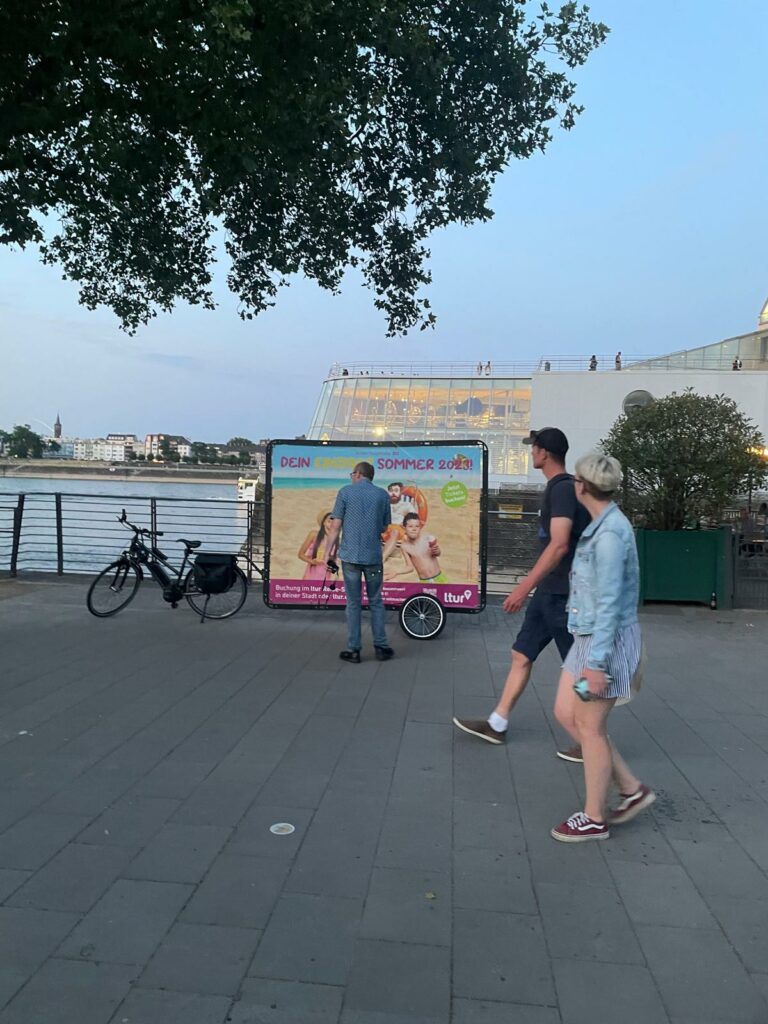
(220, 606)
(113, 589)
(422, 617)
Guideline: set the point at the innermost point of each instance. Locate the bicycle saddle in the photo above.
(191, 544)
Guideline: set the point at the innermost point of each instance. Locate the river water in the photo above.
(91, 535)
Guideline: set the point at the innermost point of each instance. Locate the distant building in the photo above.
(176, 442)
(57, 428)
(445, 402)
(101, 450)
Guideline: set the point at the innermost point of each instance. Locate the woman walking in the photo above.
(602, 615)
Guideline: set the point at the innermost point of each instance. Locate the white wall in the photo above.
(585, 405)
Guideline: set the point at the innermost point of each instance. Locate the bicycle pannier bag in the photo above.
(214, 574)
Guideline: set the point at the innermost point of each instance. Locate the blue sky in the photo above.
(644, 229)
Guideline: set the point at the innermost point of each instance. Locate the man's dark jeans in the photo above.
(374, 577)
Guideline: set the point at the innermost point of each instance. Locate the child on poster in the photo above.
(420, 552)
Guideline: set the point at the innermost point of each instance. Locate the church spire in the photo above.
(57, 426)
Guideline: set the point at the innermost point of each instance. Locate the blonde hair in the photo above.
(601, 474)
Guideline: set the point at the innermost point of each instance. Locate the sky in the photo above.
(644, 229)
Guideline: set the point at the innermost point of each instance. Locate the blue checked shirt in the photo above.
(365, 514)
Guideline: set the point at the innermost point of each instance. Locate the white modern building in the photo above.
(500, 403)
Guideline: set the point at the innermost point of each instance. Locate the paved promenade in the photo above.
(143, 759)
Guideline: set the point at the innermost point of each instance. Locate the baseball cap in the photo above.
(551, 439)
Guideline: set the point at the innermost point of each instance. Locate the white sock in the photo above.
(497, 722)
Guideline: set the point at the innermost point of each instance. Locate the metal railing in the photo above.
(76, 533)
(681, 362)
(79, 533)
(480, 370)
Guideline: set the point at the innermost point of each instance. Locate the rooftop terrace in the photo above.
(145, 757)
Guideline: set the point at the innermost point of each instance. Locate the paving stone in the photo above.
(238, 892)
(128, 922)
(179, 853)
(722, 869)
(132, 822)
(745, 922)
(12, 979)
(587, 922)
(408, 906)
(699, 976)
(74, 879)
(761, 983)
(485, 825)
(336, 857)
(149, 1006)
(551, 861)
(217, 801)
(590, 992)
(399, 978)
(661, 894)
(70, 993)
(11, 880)
(500, 957)
(309, 938)
(498, 880)
(27, 936)
(201, 958)
(172, 779)
(349, 1016)
(34, 840)
(266, 1001)
(473, 1011)
(413, 839)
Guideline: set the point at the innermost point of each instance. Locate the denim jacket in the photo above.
(605, 583)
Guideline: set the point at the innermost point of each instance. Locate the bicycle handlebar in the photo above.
(140, 531)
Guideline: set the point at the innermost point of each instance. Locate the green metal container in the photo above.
(687, 565)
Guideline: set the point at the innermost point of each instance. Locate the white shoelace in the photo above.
(579, 820)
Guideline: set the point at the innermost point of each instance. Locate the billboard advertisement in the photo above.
(435, 545)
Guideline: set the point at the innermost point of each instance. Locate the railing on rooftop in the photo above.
(555, 364)
(479, 370)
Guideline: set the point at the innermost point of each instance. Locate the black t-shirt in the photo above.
(560, 502)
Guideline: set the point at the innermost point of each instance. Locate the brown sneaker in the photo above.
(572, 754)
(631, 805)
(480, 728)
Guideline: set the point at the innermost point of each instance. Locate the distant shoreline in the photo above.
(80, 470)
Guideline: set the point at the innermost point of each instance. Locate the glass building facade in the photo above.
(367, 408)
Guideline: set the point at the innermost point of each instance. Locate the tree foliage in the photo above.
(685, 457)
(22, 443)
(316, 135)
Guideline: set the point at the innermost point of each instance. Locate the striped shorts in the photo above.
(623, 661)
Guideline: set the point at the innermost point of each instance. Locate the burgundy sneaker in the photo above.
(572, 754)
(631, 805)
(480, 728)
(580, 829)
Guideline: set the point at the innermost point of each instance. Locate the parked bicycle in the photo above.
(214, 586)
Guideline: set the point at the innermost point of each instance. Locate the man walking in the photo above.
(562, 521)
(362, 514)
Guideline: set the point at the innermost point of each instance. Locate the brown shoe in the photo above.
(572, 754)
(480, 728)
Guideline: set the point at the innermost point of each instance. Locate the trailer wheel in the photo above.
(422, 617)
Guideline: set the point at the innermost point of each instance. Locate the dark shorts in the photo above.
(546, 619)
